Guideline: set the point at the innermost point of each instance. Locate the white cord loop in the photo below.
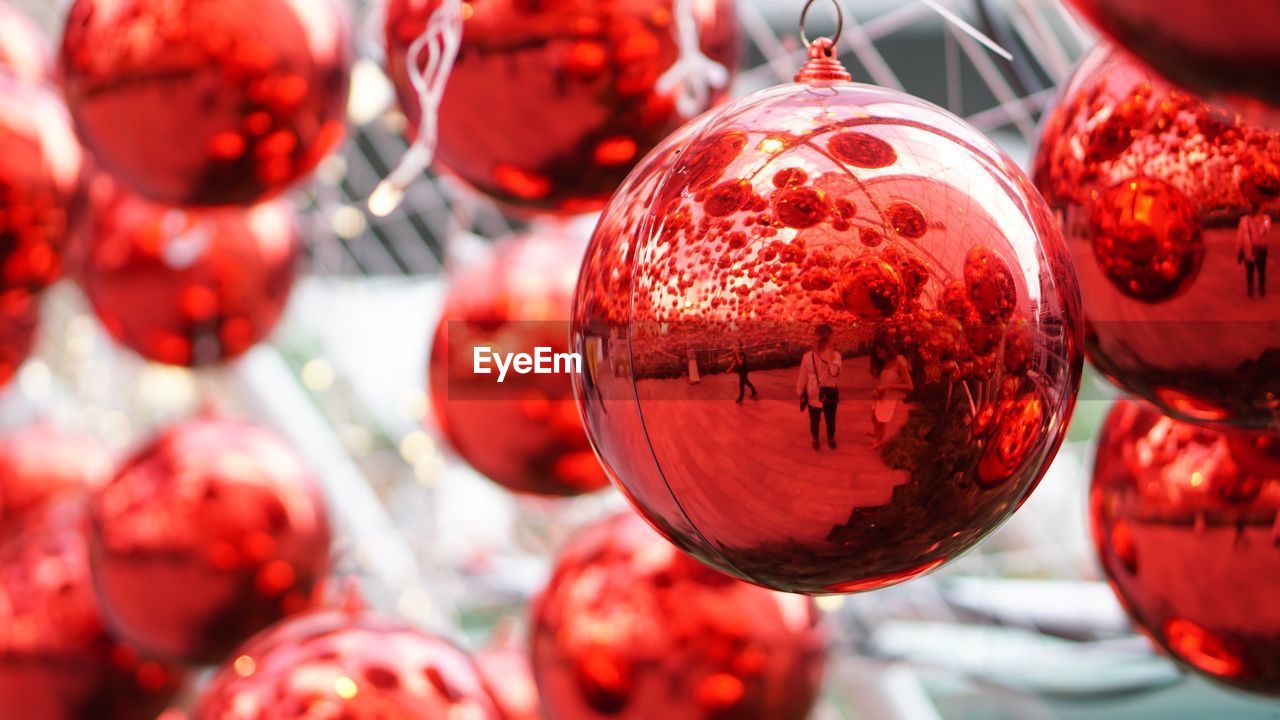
(441, 39)
(694, 75)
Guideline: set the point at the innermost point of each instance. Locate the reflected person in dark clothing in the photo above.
(739, 364)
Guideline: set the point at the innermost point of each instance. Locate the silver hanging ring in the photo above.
(804, 17)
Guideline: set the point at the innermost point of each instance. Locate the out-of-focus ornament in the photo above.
(19, 320)
(40, 165)
(217, 102)
(749, 230)
(524, 432)
(1166, 204)
(188, 287)
(57, 662)
(40, 462)
(347, 664)
(550, 105)
(506, 670)
(1186, 522)
(210, 533)
(630, 628)
(1228, 51)
(24, 52)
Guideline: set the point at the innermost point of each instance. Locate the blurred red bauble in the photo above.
(1152, 186)
(189, 287)
(550, 105)
(350, 665)
(40, 462)
(1186, 522)
(1225, 49)
(207, 535)
(630, 628)
(24, 52)
(19, 320)
(746, 229)
(57, 662)
(40, 165)
(507, 672)
(525, 432)
(218, 102)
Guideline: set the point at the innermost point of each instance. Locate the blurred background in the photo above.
(1023, 627)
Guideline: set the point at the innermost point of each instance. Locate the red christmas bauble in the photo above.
(1227, 50)
(747, 228)
(509, 675)
(189, 287)
(218, 102)
(1155, 191)
(40, 462)
(550, 105)
(205, 536)
(40, 165)
(524, 432)
(1186, 522)
(631, 628)
(24, 52)
(349, 665)
(19, 318)
(57, 662)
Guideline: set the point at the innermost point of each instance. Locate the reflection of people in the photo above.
(1251, 239)
(694, 377)
(740, 364)
(819, 372)
(895, 383)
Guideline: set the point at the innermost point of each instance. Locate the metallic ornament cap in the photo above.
(823, 67)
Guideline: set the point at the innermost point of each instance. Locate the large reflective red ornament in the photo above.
(19, 320)
(24, 53)
(861, 250)
(41, 462)
(57, 662)
(1229, 51)
(217, 102)
(189, 287)
(40, 165)
(550, 105)
(630, 628)
(205, 536)
(1166, 205)
(509, 675)
(346, 664)
(523, 432)
(1186, 521)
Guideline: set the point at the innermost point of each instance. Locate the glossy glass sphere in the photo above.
(1152, 187)
(189, 287)
(57, 661)
(346, 664)
(208, 534)
(40, 166)
(551, 104)
(24, 51)
(882, 226)
(40, 462)
(630, 628)
(1186, 522)
(216, 102)
(523, 433)
(1226, 50)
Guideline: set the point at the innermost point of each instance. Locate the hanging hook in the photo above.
(804, 17)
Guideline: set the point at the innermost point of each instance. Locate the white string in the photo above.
(441, 39)
(694, 74)
(968, 29)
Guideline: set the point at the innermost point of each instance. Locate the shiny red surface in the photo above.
(208, 102)
(631, 628)
(929, 255)
(1229, 49)
(19, 317)
(1186, 522)
(1150, 185)
(40, 165)
(525, 433)
(507, 672)
(41, 462)
(205, 536)
(551, 104)
(24, 50)
(348, 665)
(189, 287)
(57, 662)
